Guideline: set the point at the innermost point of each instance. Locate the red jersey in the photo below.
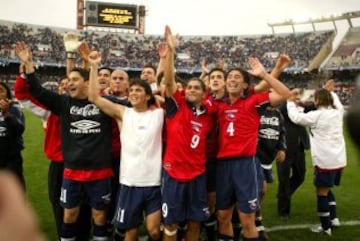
(52, 143)
(239, 124)
(212, 142)
(186, 137)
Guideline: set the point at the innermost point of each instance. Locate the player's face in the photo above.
(3, 93)
(138, 96)
(235, 83)
(104, 78)
(193, 92)
(119, 82)
(148, 74)
(77, 87)
(62, 88)
(217, 81)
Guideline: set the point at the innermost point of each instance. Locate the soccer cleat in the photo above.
(335, 222)
(263, 236)
(319, 229)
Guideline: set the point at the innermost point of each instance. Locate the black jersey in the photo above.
(85, 129)
(271, 136)
(11, 130)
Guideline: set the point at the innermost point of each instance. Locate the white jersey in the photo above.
(326, 137)
(141, 147)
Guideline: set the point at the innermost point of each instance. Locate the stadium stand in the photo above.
(347, 56)
(132, 51)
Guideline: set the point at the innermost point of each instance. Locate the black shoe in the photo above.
(263, 235)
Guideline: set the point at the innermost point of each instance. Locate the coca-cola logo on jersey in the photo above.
(87, 110)
(274, 121)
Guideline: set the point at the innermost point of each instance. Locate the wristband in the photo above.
(70, 55)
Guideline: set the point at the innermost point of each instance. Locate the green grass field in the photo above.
(303, 202)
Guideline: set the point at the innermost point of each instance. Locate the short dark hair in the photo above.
(246, 77)
(217, 69)
(150, 66)
(107, 68)
(147, 88)
(83, 72)
(202, 84)
(7, 89)
(244, 73)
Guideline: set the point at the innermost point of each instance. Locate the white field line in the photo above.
(307, 226)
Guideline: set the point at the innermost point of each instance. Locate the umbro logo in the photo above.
(85, 124)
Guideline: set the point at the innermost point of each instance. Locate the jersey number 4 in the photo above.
(230, 129)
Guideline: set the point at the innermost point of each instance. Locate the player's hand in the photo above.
(171, 40)
(23, 52)
(4, 106)
(84, 51)
(162, 49)
(330, 85)
(71, 42)
(94, 58)
(257, 69)
(282, 62)
(280, 156)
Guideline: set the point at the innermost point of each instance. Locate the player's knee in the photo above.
(224, 217)
(99, 217)
(154, 234)
(170, 230)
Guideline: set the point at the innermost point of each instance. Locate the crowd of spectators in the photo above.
(132, 51)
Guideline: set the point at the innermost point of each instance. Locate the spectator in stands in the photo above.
(327, 150)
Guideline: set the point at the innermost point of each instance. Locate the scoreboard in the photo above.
(111, 15)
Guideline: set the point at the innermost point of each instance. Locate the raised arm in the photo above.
(162, 50)
(280, 91)
(169, 69)
(49, 99)
(114, 110)
(282, 62)
(71, 44)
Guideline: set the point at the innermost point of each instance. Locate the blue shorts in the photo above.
(132, 202)
(97, 193)
(211, 174)
(238, 181)
(327, 179)
(184, 200)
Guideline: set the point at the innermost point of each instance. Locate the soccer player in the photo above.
(328, 151)
(237, 178)
(188, 122)
(148, 73)
(86, 147)
(271, 146)
(141, 152)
